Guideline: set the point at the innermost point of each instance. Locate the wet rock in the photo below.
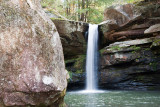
(32, 70)
(131, 65)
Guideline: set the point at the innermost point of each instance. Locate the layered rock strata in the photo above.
(129, 21)
(132, 63)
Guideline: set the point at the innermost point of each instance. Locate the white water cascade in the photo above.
(92, 59)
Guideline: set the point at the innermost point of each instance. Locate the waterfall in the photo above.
(92, 58)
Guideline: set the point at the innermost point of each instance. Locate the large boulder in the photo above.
(129, 21)
(32, 70)
(72, 35)
(121, 13)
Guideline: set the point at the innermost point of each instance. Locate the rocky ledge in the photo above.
(133, 64)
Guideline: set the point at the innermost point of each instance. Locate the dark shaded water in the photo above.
(114, 99)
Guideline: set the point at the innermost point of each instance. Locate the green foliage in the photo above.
(90, 10)
(70, 74)
(78, 65)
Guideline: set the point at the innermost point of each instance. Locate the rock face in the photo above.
(121, 14)
(32, 70)
(72, 36)
(76, 69)
(131, 65)
(129, 21)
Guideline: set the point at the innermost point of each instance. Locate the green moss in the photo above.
(137, 60)
(102, 50)
(116, 47)
(155, 43)
(79, 71)
(80, 61)
(70, 74)
(153, 65)
(136, 48)
(147, 49)
(77, 65)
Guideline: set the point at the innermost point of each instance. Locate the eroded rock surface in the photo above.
(121, 14)
(130, 21)
(133, 62)
(131, 65)
(72, 35)
(32, 70)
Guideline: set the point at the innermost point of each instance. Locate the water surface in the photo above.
(114, 99)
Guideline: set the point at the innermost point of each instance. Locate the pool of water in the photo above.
(113, 99)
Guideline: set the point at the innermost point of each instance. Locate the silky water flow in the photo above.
(92, 58)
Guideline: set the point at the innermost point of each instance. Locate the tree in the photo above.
(81, 10)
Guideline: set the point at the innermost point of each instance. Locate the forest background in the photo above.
(90, 11)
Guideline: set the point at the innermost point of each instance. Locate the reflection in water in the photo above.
(114, 99)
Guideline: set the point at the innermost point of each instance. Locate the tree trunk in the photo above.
(87, 6)
(83, 7)
(79, 16)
